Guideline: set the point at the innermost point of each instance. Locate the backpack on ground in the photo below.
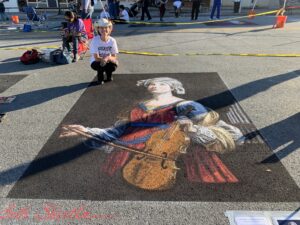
(27, 28)
(45, 54)
(59, 56)
(30, 57)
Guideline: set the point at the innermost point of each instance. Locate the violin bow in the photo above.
(87, 135)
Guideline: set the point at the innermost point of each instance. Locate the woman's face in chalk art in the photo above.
(159, 88)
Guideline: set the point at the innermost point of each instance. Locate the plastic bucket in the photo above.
(15, 19)
(280, 21)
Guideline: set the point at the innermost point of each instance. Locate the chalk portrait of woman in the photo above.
(207, 135)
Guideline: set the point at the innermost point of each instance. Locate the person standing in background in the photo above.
(112, 9)
(87, 9)
(195, 9)
(216, 5)
(91, 9)
(145, 5)
(117, 9)
(3, 16)
(162, 9)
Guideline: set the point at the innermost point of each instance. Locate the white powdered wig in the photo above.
(175, 85)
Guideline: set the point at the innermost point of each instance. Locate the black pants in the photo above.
(145, 10)
(109, 68)
(162, 10)
(195, 9)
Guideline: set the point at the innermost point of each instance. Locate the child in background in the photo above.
(124, 16)
(104, 13)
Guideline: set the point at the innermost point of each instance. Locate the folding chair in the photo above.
(83, 46)
(33, 18)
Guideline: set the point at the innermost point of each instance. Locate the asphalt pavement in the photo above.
(267, 88)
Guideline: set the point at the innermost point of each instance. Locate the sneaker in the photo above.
(100, 82)
(76, 58)
(100, 78)
(109, 77)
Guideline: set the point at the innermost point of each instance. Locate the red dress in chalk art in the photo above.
(200, 165)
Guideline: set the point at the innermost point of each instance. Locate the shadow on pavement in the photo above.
(250, 89)
(32, 43)
(15, 59)
(285, 137)
(33, 98)
(13, 66)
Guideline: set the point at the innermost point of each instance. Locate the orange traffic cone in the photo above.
(251, 14)
(15, 19)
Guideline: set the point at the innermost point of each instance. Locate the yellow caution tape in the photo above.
(31, 47)
(203, 22)
(168, 54)
(244, 54)
(146, 53)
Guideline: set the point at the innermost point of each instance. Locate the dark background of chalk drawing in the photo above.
(66, 169)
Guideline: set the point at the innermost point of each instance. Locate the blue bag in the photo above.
(58, 56)
(27, 28)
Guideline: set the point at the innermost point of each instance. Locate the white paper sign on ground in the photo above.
(264, 217)
(252, 220)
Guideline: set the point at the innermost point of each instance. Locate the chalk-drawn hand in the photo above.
(187, 124)
(68, 130)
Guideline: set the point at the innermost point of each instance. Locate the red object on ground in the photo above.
(84, 46)
(280, 21)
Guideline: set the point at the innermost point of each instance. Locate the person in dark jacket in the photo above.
(3, 16)
(195, 9)
(145, 5)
